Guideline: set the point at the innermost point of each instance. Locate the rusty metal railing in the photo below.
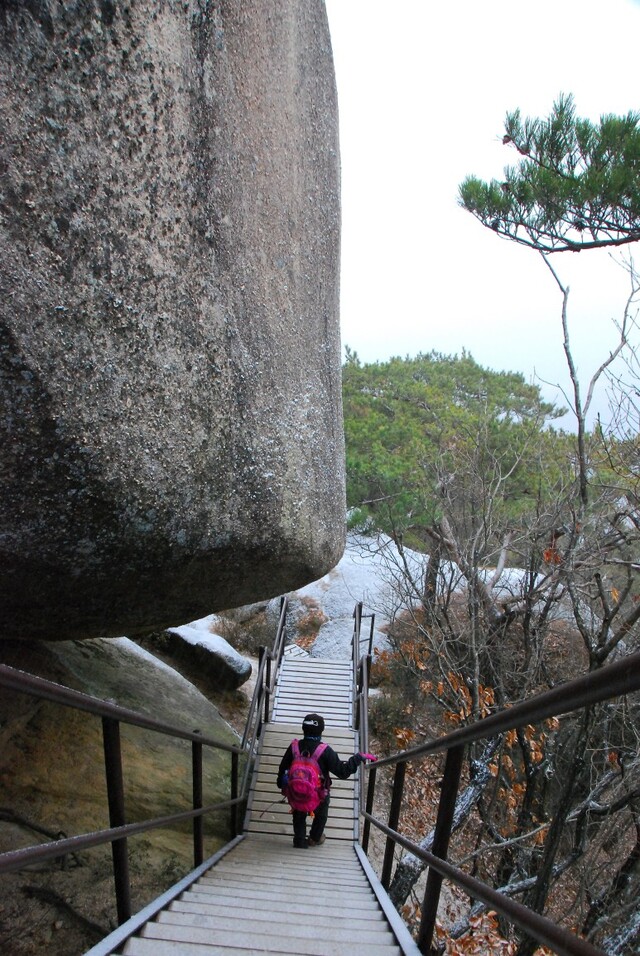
(617, 679)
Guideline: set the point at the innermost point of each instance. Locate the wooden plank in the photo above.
(358, 909)
(235, 947)
(315, 702)
(283, 943)
(323, 700)
(340, 738)
(306, 678)
(265, 821)
(305, 698)
(246, 886)
(274, 750)
(306, 669)
(289, 909)
(295, 727)
(271, 759)
(275, 894)
(282, 733)
(264, 801)
(333, 831)
(271, 850)
(299, 929)
(308, 695)
(266, 793)
(266, 778)
(336, 874)
(316, 663)
(337, 718)
(336, 828)
(338, 722)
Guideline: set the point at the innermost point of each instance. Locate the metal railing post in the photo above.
(267, 685)
(260, 688)
(115, 796)
(234, 794)
(355, 654)
(371, 789)
(442, 835)
(394, 816)
(198, 823)
(371, 631)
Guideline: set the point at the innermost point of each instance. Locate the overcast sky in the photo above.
(423, 89)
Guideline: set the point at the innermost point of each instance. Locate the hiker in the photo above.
(305, 782)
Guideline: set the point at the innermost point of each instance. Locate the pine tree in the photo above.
(577, 185)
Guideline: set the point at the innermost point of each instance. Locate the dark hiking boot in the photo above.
(317, 842)
(301, 844)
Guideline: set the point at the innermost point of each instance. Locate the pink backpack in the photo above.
(305, 789)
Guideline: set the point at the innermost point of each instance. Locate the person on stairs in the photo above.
(296, 765)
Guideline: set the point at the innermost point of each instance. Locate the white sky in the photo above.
(423, 89)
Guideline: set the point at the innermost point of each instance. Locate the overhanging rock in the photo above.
(170, 427)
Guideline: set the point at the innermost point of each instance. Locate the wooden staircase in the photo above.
(305, 686)
(267, 897)
(263, 895)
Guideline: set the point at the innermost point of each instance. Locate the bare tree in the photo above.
(563, 800)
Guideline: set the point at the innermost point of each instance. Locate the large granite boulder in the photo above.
(170, 421)
(199, 649)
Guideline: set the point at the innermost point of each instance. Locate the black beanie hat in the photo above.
(313, 725)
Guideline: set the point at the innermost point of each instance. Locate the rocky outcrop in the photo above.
(198, 648)
(170, 427)
(52, 780)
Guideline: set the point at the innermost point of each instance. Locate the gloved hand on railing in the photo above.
(367, 757)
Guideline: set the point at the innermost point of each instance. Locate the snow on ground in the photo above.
(359, 576)
(374, 572)
(371, 571)
(200, 634)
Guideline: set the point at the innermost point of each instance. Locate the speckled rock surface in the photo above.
(170, 420)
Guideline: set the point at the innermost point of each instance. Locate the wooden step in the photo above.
(271, 913)
(286, 941)
(234, 944)
(280, 904)
(304, 927)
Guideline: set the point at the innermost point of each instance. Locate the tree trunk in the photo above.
(410, 867)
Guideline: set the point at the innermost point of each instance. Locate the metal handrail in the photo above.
(361, 673)
(265, 682)
(17, 859)
(21, 681)
(112, 716)
(259, 708)
(543, 929)
(617, 679)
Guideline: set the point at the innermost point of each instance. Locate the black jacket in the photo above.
(328, 761)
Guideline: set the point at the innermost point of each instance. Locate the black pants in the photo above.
(317, 824)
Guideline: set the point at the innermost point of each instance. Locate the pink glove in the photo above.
(370, 757)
